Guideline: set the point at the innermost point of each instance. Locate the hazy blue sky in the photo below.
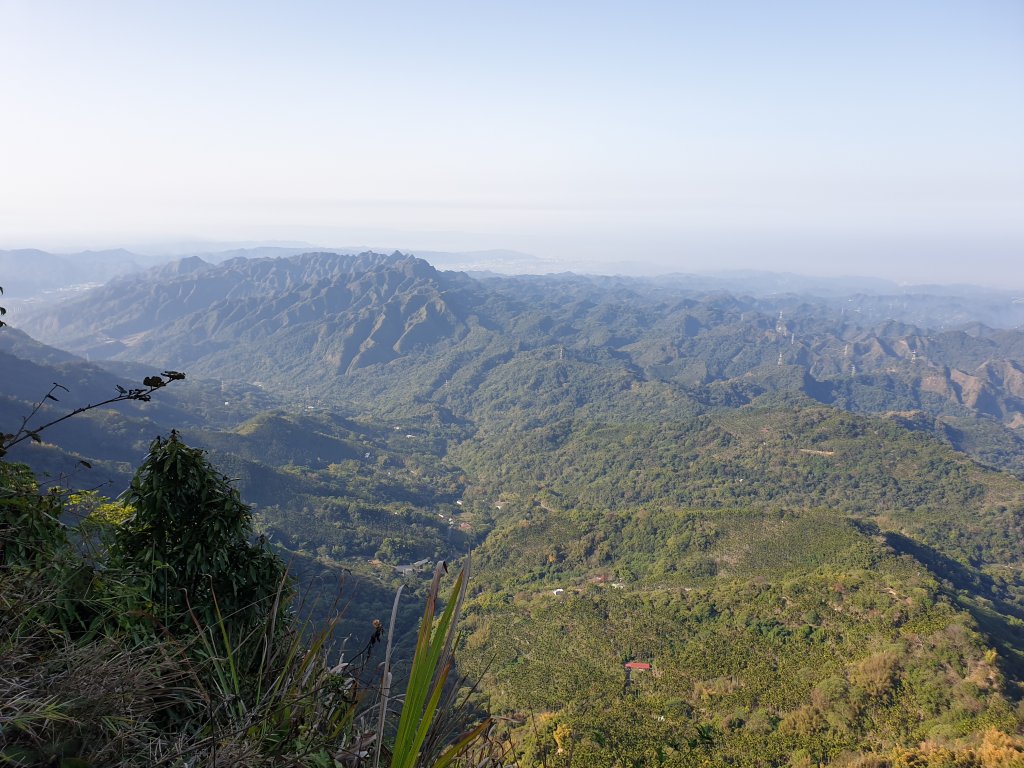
(854, 137)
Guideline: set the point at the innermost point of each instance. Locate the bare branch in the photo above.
(142, 394)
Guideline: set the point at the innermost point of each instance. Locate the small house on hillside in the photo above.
(419, 565)
(635, 667)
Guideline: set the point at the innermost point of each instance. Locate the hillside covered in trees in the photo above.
(709, 528)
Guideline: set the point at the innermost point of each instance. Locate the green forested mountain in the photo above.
(801, 516)
(762, 560)
(324, 326)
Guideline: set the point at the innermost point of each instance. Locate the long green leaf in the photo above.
(416, 690)
(428, 715)
(386, 679)
(430, 668)
(228, 649)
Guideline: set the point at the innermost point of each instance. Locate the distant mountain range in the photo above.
(330, 323)
(30, 274)
(390, 333)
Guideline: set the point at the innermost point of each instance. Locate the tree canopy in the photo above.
(190, 538)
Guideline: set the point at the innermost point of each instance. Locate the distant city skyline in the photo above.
(870, 138)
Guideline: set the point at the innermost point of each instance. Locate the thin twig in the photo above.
(142, 394)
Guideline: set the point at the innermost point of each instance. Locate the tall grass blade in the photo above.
(431, 666)
(386, 680)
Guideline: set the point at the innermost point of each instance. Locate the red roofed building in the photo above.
(639, 666)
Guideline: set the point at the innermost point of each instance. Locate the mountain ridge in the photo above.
(320, 321)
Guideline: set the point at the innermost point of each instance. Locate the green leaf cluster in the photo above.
(190, 540)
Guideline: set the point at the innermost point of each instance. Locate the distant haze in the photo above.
(870, 138)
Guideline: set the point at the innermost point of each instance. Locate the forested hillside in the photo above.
(798, 518)
(319, 327)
